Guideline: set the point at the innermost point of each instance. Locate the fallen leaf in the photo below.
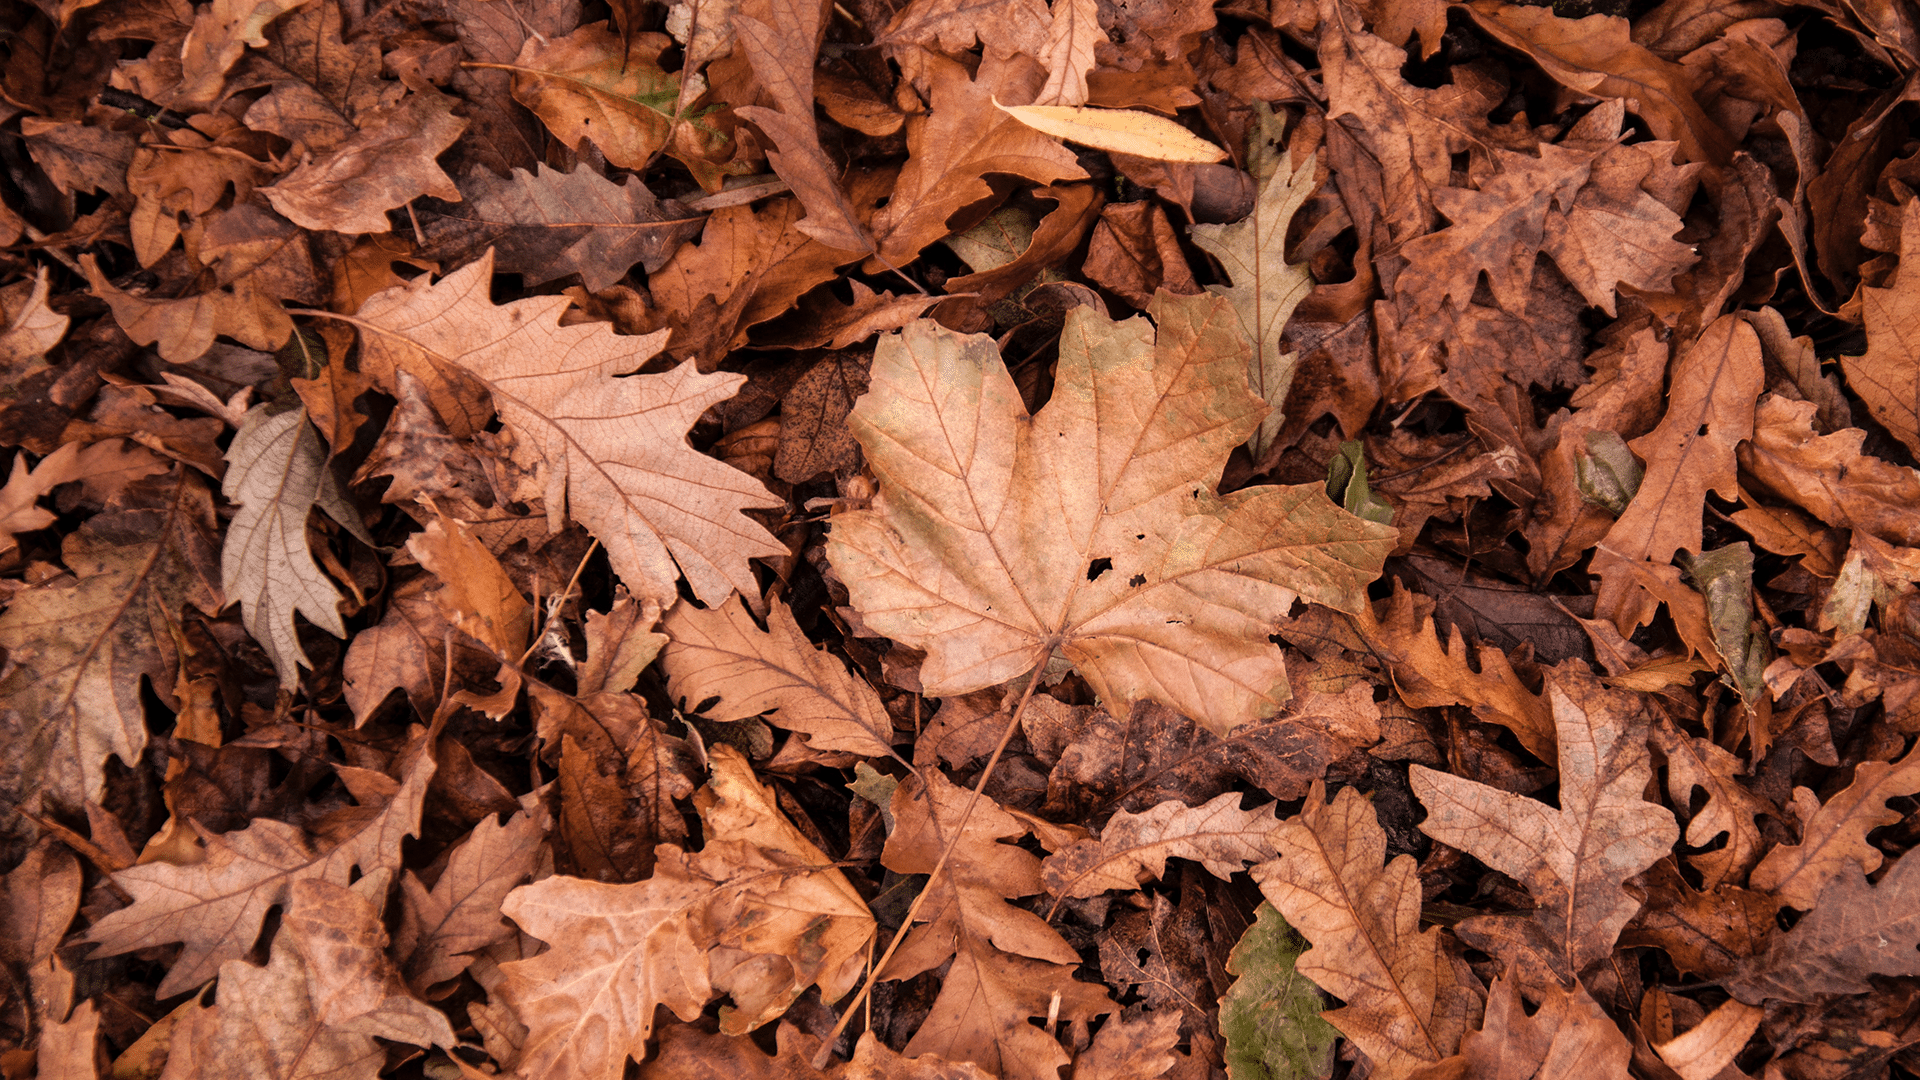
(1574, 860)
(1855, 930)
(1117, 131)
(1006, 963)
(1134, 848)
(1271, 1017)
(1409, 997)
(1709, 1046)
(215, 908)
(546, 224)
(721, 654)
(1568, 1036)
(351, 981)
(1131, 1049)
(1120, 586)
(1834, 836)
(614, 448)
(387, 163)
(441, 927)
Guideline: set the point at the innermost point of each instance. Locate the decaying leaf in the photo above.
(1271, 1016)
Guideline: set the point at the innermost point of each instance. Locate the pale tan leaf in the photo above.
(1266, 288)
(1139, 1049)
(1135, 847)
(720, 653)
(475, 593)
(1709, 1046)
(276, 472)
(441, 928)
(69, 1049)
(614, 449)
(1117, 131)
(350, 980)
(1072, 35)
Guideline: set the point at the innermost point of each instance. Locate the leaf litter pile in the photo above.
(960, 539)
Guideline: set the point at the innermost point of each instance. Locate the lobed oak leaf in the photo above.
(999, 538)
(546, 224)
(1005, 964)
(215, 908)
(1266, 288)
(77, 647)
(1884, 376)
(69, 1049)
(351, 982)
(953, 26)
(277, 473)
(720, 653)
(476, 595)
(1710, 404)
(387, 163)
(1575, 859)
(1705, 933)
(679, 937)
(1855, 929)
(182, 329)
(1409, 997)
(1834, 837)
(1830, 475)
(221, 32)
(1567, 1037)
(1498, 228)
(1131, 1048)
(961, 138)
(441, 927)
(783, 62)
(614, 448)
(1270, 1017)
(1133, 848)
(1731, 809)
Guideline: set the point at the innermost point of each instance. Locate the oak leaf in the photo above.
(350, 979)
(1708, 1048)
(1574, 859)
(614, 448)
(720, 653)
(1855, 929)
(1133, 848)
(952, 147)
(1270, 1017)
(1731, 809)
(1409, 996)
(1005, 963)
(215, 907)
(998, 537)
(1567, 1037)
(440, 927)
(1834, 836)
(78, 645)
(1498, 229)
(1831, 475)
(1266, 287)
(783, 61)
(546, 224)
(387, 163)
(699, 925)
(1884, 376)
(1710, 403)
(182, 329)
(1131, 1048)
(1706, 933)
(277, 473)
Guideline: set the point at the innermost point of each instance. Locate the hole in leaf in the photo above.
(1137, 580)
(1098, 567)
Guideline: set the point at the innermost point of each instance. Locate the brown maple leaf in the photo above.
(1574, 859)
(999, 537)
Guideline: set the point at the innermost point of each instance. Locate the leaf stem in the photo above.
(959, 829)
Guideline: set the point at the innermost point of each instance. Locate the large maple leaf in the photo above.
(615, 449)
(1091, 527)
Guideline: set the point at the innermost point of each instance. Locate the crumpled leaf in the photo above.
(720, 653)
(277, 472)
(615, 448)
(1266, 288)
(77, 646)
(1574, 859)
(215, 907)
(1409, 996)
(386, 164)
(1133, 848)
(999, 538)
(1131, 1049)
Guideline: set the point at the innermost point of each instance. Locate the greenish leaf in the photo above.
(1271, 1014)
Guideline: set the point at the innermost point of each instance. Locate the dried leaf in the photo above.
(720, 653)
(977, 497)
(1409, 997)
(1569, 1036)
(1834, 837)
(1117, 131)
(1574, 859)
(1271, 1017)
(1134, 848)
(614, 448)
(215, 907)
(386, 164)
(1854, 930)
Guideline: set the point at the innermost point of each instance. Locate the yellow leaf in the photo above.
(1120, 131)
